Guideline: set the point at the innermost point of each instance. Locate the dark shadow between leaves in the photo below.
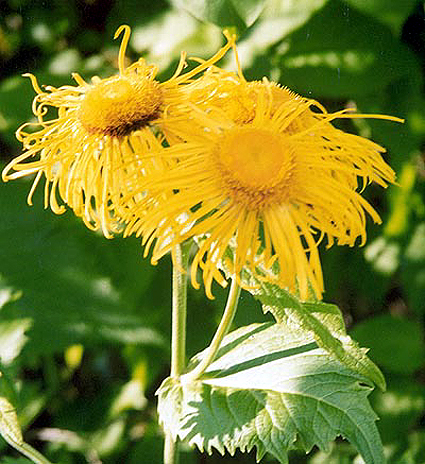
(261, 360)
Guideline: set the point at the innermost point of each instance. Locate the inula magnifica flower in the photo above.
(263, 168)
(87, 153)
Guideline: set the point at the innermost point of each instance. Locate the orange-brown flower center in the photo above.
(120, 105)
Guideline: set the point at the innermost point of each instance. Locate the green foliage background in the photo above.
(85, 322)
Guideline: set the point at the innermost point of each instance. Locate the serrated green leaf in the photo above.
(271, 390)
(322, 321)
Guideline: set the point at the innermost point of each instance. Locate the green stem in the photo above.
(223, 328)
(178, 333)
(178, 322)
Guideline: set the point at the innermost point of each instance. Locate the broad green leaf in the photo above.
(322, 321)
(77, 287)
(333, 55)
(399, 347)
(393, 14)
(277, 20)
(271, 389)
(172, 31)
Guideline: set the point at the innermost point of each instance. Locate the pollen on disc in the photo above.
(253, 156)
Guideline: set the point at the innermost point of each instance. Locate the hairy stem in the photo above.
(178, 333)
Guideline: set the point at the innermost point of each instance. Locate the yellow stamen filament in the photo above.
(33, 82)
(123, 46)
(232, 38)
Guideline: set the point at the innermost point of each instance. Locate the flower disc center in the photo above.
(254, 157)
(256, 165)
(120, 105)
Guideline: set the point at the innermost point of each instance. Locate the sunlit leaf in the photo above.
(321, 321)
(271, 390)
(277, 20)
(383, 254)
(171, 32)
(333, 56)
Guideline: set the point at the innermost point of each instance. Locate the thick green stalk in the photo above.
(179, 309)
(178, 333)
(223, 328)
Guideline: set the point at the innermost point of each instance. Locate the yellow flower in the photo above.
(262, 168)
(102, 129)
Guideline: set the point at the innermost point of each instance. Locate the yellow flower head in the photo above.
(272, 176)
(102, 129)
